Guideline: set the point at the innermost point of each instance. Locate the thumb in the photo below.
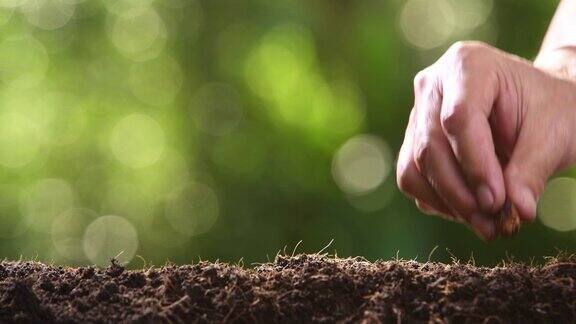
(531, 164)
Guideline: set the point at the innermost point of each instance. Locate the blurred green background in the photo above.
(179, 129)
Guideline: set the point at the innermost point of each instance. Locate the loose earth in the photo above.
(294, 289)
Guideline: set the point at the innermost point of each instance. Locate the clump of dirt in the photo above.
(302, 288)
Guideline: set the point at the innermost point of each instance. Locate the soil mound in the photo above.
(302, 288)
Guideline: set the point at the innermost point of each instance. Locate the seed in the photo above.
(507, 220)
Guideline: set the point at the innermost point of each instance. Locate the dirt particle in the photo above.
(114, 269)
(86, 273)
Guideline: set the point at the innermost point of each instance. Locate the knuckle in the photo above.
(421, 81)
(454, 118)
(467, 51)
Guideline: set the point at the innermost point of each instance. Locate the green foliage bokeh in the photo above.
(178, 129)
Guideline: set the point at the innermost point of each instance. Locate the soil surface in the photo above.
(302, 288)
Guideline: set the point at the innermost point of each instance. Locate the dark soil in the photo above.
(304, 288)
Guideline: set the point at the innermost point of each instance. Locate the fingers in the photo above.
(436, 162)
(529, 168)
(544, 143)
(486, 127)
(412, 183)
(468, 99)
(429, 210)
(470, 137)
(433, 155)
(524, 185)
(483, 226)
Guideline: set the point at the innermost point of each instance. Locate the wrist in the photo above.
(560, 62)
(568, 105)
(553, 100)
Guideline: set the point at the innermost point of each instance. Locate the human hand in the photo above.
(486, 126)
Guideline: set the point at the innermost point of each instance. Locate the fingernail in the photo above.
(483, 226)
(527, 201)
(485, 198)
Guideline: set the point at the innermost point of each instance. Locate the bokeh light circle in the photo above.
(374, 200)
(215, 109)
(139, 33)
(48, 14)
(427, 24)
(557, 205)
(361, 164)
(192, 209)
(470, 14)
(20, 140)
(137, 141)
(110, 236)
(68, 232)
(44, 200)
(281, 62)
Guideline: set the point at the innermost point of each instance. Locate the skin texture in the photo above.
(487, 126)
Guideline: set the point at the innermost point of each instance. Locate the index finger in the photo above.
(468, 100)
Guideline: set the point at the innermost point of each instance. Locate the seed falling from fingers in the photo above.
(507, 220)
